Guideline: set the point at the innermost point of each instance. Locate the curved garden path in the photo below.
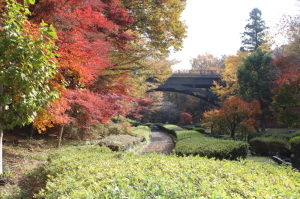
(160, 142)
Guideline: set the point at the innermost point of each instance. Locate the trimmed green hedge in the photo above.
(295, 148)
(85, 172)
(195, 143)
(140, 134)
(187, 134)
(294, 143)
(199, 129)
(212, 148)
(267, 146)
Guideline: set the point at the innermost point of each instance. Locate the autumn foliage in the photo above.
(186, 118)
(88, 31)
(235, 114)
(286, 93)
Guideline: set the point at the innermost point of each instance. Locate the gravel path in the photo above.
(160, 142)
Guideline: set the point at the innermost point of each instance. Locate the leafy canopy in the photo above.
(27, 65)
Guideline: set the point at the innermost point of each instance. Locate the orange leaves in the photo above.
(88, 32)
(54, 113)
(234, 113)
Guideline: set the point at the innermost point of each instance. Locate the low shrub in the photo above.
(194, 143)
(82, 174)
(199, 129)
(277, 135)
(295, 134)
(141, 131)
(294, 142)
(187, 134)
(295, 148)
(212, 148)
(170, 128)
(267, 146)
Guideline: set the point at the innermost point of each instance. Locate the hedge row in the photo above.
(267, 146)
(269, 143)
(125, 142)
(86, 172)
(195, 143)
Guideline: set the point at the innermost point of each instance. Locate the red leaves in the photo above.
(290, 71)
(186, 118)
(139, 107)
(88, 31)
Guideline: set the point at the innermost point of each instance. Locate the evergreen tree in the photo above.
(256, 78)
(253, 36)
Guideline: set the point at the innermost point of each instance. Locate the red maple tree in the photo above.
(87, 32)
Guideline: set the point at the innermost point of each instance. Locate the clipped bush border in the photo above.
(189, 142)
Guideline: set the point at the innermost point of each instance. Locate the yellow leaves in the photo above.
(42, 121)
(206, 62)
(229, 75)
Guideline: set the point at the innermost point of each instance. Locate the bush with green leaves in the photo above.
(212, 148)
(295, 134)
(267, 146)
(187, 134)
(194, 143)
(294, 142)
(170, 128)
(277, 135)
(141, 131)
(127, 142)
(295, 148)
(199, 129)
(87, 172)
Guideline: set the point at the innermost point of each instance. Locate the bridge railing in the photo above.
(192, 73)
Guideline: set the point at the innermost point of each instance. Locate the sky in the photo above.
(215, 26)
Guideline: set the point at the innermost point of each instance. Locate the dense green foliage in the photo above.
(266, 146)
(253, 36)
(27, 65)
(140, 134)
(295, 142)
(212, 148)
(141, 131)
(86, 172)
(194, 143)
(199, 129)
(256, 77)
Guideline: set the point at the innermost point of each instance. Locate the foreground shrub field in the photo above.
(94, 172)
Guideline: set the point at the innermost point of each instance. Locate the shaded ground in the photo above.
(160, 142)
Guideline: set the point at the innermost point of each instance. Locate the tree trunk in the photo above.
(263, 122)
(61, 130)
(1, 149)
(31, 130)
(1, 132)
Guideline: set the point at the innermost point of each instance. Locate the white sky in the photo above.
(215, 26)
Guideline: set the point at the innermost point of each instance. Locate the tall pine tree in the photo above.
(253, 36)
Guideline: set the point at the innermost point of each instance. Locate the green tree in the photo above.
(158, 22)
(27, 64)
(256, 77)
(254, 33)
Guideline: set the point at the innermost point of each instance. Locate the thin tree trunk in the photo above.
(61, 130)
(1, 149)
(31, 130)
(1, 133)
(263, 122)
